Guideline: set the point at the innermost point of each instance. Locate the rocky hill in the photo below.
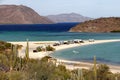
(111, 24)
(14, 14)
(72, 17)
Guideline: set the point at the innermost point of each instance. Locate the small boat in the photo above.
(75, 52)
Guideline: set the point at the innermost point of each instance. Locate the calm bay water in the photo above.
(48, 36)
(106, 53)
(48, 32)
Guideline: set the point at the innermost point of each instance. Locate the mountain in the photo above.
(111, 24)
(19, 14)
(72, 17)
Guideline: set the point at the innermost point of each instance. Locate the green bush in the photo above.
(102, 72)
(45, 59)
(8, 45)
(49, 48)
(39, 49)
(2, 48)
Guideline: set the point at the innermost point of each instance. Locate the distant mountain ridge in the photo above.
(111, 24)
(71, 17)
(19, 14)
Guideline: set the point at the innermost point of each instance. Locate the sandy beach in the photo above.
(39, 55)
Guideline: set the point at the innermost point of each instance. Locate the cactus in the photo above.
(15, 55)
(15, 51)
(116, 78)
(11, 62)
(11, 58)
(21, 63)
(95, 69)
(27, 51)
(80, 74)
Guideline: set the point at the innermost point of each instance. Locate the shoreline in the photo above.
(39, 55)
(71, 65)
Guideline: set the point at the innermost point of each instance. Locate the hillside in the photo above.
(111, 24)
(13, 14)
(71, 17)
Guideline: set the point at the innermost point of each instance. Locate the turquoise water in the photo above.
(48, 36)
(105, 53)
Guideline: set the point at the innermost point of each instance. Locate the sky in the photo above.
(89, 8)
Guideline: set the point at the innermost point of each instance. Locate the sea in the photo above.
(105, 52)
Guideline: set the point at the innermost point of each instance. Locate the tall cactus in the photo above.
(95, 69)
(80, 74)
(11, 58)
(27, 51)
(21, 63)
(15, 55)
(116, 78)
(15, 51)
(11, 62)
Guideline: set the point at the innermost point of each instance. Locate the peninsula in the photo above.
(111, 24)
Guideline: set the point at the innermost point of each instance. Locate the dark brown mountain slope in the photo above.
(13, 14)
(111, 24)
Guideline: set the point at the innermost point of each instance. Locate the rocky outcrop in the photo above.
(111, 24)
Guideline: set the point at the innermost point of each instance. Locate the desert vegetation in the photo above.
(47, 48)
(13, 67)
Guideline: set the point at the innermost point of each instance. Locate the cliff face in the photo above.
(72, 17)
(13, 14)
(111, 24)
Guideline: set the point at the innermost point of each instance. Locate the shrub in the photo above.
(49, 48)
(8, 45)
(45, 59)
(2, 47)
(39, 49)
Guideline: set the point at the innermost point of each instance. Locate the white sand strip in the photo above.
(86, 42)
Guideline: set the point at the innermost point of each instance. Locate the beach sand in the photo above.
(39, 55)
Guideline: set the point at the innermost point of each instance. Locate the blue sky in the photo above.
(90, 8)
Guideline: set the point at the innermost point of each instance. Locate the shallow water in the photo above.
(105, 52)
(53, 36)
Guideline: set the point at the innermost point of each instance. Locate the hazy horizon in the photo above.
(93, 9)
